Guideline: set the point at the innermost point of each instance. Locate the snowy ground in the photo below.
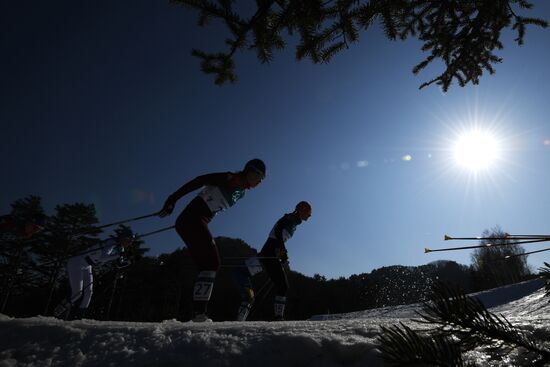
(333, 340)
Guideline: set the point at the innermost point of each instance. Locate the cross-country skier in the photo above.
(220, 191)
(274, 256)
(79, 271)
(12, 229)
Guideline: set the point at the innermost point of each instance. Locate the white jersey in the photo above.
(219, 198)
(101, 253)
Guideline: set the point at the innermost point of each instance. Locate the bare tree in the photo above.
(490, 265)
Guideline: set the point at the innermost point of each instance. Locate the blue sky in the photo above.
(102, 103)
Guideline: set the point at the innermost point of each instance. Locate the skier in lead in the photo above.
(79, 271)
(220, 192)
(273, 258)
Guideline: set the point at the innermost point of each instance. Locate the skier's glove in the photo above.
(167, 209)
(283, 255)
(285, 265)
(123, 262)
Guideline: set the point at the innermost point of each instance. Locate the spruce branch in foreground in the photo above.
(462, 323)
(467, 317)
(463, 35)
(400, 345)
(545, 273)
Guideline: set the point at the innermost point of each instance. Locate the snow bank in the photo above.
(347, 341)
(45, 341)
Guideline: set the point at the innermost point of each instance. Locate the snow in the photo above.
(325, 340)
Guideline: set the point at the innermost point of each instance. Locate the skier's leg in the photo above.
(62, 310)
(247, 299)
(87, 290)
(203, 250)
(242, 277)
(79, 307)
(202, 291)
(279, 278)
(74, 270)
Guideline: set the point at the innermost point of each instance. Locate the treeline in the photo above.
(33, 277)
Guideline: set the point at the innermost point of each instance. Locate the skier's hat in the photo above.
(255, 165)
(303, 207)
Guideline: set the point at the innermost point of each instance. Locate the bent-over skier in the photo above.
(274, 259)
(220, 191)
(79, 271)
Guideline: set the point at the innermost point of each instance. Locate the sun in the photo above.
(476, 150)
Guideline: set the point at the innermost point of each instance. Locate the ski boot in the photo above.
(201, 317)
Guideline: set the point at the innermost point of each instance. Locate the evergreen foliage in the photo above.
(135, 251)
(461, 323)
(463, 34)
(26, 209)
(400, 345)
(545, 272)
(16, 257)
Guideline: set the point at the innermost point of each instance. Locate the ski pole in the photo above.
(128, 220)
(426, 250)
(526, 253)
(528, 237)
(80, 232)
(506, 237)
(154, 232)
(248, 257)
(95, 248)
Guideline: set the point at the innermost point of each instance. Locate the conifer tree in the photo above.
(16, 255)
(463, 34)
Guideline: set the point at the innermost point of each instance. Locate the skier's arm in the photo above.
(216, 179)
(110, 251)
(280, 227)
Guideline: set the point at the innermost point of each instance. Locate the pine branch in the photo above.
(545, 273)
(458, 313)
(221, 65)
(462, 324)
(463, 34)
(403, 346)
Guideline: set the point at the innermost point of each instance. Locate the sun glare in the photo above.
(476, 150)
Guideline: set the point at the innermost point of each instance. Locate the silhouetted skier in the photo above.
(220, 191)
(273, 259)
